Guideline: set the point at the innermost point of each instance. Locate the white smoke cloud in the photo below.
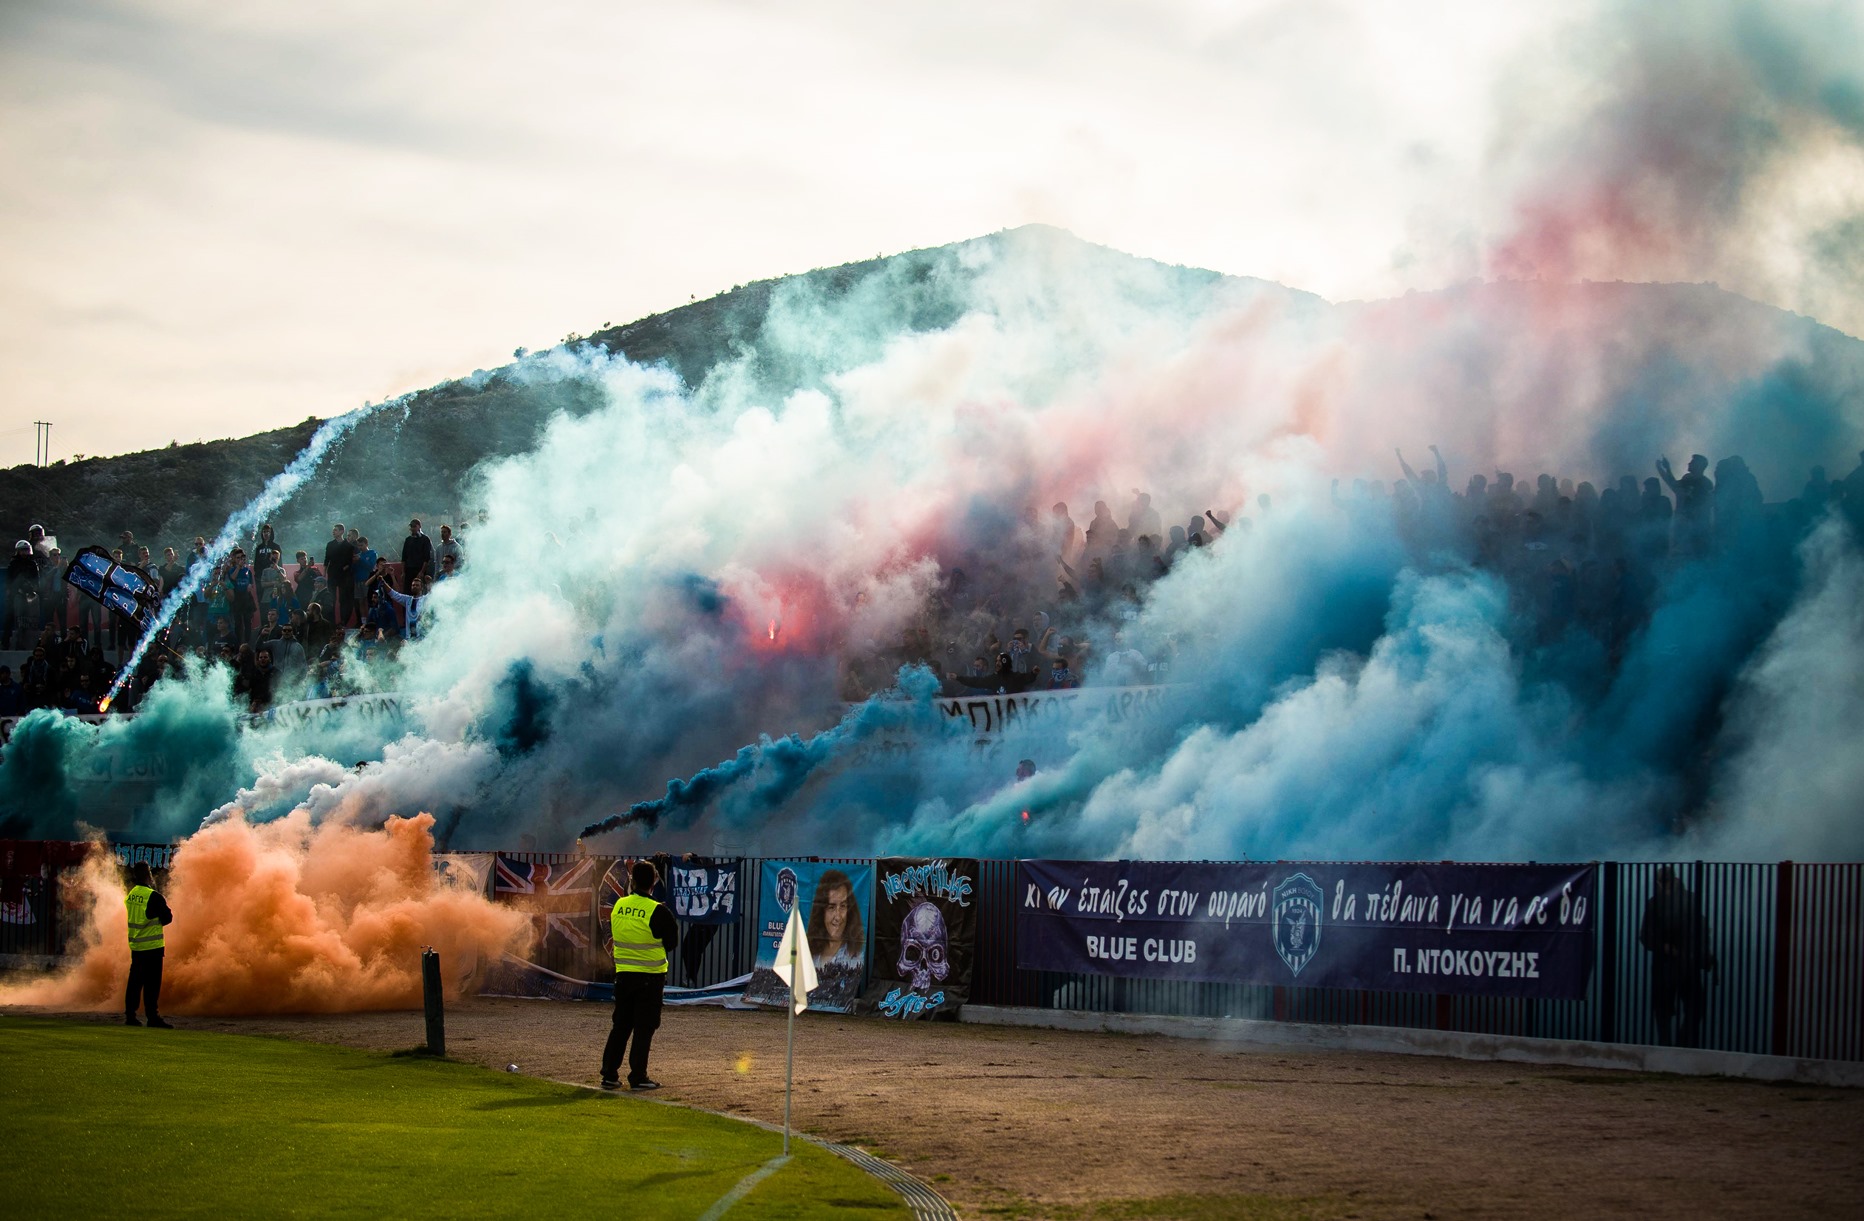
(1791, 782)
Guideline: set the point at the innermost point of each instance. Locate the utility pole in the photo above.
(41, 442)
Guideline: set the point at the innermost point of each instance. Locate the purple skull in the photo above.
(922, 946)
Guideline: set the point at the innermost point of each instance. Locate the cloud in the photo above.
(1717, 140)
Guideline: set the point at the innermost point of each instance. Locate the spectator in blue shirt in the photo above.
(366, 560)
(380, 613)
(242, 603)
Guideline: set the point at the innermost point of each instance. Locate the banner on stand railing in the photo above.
(1482, 930)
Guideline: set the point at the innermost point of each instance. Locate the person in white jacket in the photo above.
(412, 605)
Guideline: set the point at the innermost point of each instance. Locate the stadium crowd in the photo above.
(1572, 556)
(288, 630)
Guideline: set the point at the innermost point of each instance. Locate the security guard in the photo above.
(644, 933)
(148, 912)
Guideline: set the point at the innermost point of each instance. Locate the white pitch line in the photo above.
(743, 1189)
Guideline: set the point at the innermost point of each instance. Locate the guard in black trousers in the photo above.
(644, 934)
(148, 915)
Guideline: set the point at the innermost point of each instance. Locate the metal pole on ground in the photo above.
(430, 990)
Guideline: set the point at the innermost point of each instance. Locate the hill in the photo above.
(416, 460)
(1514, 343)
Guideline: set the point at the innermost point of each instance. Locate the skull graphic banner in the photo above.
(925, 935)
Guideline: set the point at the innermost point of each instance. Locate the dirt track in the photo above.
(1039, 1123)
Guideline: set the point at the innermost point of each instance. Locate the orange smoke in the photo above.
(288, 917)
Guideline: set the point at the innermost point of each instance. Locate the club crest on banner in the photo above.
(1296, 928)
(786, 889)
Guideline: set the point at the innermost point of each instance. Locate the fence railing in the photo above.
(1788, 943)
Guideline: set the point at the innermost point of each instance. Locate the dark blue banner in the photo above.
(705, 894)
(1480, 930)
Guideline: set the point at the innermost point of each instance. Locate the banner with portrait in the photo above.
(925, 936)
(835, 900)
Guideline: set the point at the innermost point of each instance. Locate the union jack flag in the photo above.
(557, 896)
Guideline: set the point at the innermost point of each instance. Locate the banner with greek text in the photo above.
(1479, 930)
(925, 936)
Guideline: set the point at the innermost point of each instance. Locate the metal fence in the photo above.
(35, 924)
(1788, 942)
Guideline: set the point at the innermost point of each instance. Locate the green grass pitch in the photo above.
(104, 1120)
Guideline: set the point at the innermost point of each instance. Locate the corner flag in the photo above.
(795, 965)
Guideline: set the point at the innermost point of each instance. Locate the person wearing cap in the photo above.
(148, 914)
(22, 593)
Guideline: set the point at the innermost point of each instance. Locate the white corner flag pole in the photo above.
(789, 1055)
(795, 966)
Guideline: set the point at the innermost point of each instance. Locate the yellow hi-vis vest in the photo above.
(636, 947)
(145, 931)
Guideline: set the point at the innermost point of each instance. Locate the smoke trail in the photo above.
(243, 523)
(285, 783)
(783, 765)
(288, 917)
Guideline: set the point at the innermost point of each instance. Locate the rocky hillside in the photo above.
(415, 462)
(776, 336)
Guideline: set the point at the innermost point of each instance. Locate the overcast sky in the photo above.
(216, 219)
